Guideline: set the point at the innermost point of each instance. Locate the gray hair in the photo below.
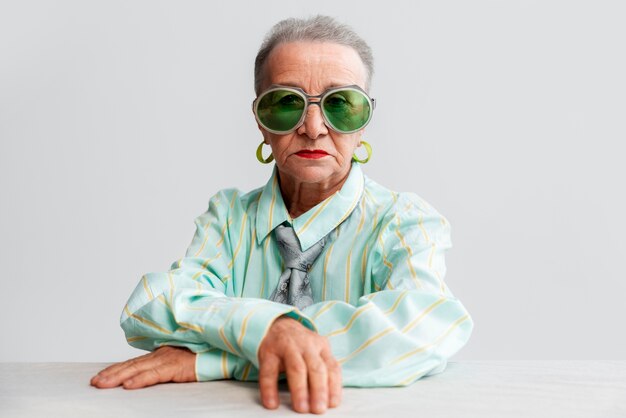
(317, 29)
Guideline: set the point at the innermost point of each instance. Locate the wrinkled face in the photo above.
(314, 67)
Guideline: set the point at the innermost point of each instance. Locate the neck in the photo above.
(299, 196)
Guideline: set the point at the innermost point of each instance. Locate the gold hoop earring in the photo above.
(368, 148)
(259, 155)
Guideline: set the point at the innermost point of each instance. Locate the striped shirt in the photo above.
(378, 286)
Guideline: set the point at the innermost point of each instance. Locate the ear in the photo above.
(259, 126)
(359, 135)
(264, 133)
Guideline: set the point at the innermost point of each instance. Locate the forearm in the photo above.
(198, 317)
(392, 338)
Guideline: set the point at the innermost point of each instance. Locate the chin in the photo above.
(312, 171)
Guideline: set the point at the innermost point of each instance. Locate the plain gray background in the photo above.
(119, 120)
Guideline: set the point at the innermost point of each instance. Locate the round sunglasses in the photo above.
(282, 109)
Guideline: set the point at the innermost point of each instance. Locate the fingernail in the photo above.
(129, 382)
(303, 405)
(271, 403)
(320, 405)
(102, 379)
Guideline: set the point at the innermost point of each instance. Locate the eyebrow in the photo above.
(292, 84)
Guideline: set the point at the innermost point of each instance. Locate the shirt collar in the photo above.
(318, 221)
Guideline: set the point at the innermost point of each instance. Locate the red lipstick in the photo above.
(314, 154)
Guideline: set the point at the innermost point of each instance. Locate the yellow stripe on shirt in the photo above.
(367, 344)
(312, 218)
(150, 323)
(355, 315)
(241, 231)
(206, 237)
(421, 316)
(147, 288)
(429, 345)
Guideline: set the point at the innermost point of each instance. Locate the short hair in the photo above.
(318, 28)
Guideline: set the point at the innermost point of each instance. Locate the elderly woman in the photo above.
(321, 274)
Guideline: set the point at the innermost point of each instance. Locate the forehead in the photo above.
(314, 66)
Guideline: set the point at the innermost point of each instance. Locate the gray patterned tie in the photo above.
(293, 286)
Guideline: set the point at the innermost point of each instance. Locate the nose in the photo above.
(313, 125)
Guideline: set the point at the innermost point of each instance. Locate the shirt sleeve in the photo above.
(194, 304)
(411, 323)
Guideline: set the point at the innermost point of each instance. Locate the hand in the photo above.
(165, 364)
(313, 374)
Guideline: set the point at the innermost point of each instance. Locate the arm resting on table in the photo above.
(411, 323)
(193, 304)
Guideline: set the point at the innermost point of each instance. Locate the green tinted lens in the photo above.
(347, 110)
(280, 110)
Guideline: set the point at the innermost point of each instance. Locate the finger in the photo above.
(334, 379)
(318, 382)
(126, 370)
(268, 381)
(296, 370)
(149, 377)
(117, 366)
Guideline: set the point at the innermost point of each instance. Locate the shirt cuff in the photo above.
(216, 364)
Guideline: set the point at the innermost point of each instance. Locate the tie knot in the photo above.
(290, 250)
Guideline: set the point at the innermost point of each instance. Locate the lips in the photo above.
(316, 153)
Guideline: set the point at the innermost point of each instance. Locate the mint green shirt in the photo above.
(378, 285)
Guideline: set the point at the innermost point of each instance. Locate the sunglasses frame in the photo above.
(307, 98)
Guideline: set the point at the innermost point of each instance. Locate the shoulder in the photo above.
(233, 203)
(394, 203)
(406, 214)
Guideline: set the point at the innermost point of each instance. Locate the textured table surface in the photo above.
(465, 389)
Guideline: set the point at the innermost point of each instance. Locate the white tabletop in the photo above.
(465, 389)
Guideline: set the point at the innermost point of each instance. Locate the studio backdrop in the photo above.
(120, 119)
